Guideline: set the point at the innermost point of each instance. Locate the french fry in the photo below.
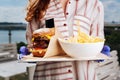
(84, 38)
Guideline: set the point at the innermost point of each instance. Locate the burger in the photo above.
(41, 39)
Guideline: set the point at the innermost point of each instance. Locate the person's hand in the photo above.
(45, 31)
(106, 50)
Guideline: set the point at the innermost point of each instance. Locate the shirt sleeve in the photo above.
(32, 26)
(89, 17)
(29, 35)
(97, 26)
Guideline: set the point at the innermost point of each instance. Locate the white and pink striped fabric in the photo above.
(90, 14)
(86, 70)
(55, 71)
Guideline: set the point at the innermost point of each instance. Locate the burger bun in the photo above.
(38, 52)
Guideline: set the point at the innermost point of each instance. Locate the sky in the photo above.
(111, 10)
(14, 10)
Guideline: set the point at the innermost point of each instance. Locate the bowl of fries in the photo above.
(82, 45)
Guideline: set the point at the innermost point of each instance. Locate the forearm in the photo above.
(31, 27)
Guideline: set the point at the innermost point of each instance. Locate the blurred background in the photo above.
(12, 23)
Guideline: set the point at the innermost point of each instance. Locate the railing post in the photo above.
(9, 34)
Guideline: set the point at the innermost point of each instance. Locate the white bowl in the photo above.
(77, 50)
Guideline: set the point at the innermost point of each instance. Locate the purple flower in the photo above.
(106, 51)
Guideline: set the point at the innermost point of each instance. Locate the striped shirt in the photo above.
(86, 14)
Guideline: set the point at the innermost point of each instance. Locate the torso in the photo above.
(63, 16)
(65, 12)
(64, 4)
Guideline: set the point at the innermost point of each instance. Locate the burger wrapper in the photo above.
(54, 48)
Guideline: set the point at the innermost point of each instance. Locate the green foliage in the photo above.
(22, 76)
(113, 40)
(19, 45)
